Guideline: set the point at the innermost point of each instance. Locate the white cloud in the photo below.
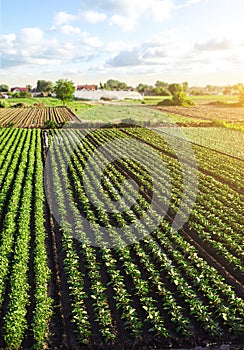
(162, 10)
(30, 35)
(188, 3)
(125, 23)
(8, 39)
(69, 29)
(215, 44)
(192, 2)
(115, 46)
(160, 50)
(169, 52)
(92, 41)
(30, 47)
(128, 13)
(94, 16)
(63, 18)
(126, 58)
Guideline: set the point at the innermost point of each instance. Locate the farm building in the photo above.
(19, 89)
(86, 87)
(104, 94)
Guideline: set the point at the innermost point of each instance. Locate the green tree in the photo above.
(174, 88)
(185, 86)
(162, 84)
(179, 97)
(122, 86)
(24, 94)
(64, 90)
(29, 87)
(4, 88)
(101, 85)
(113, 84)
(44, 86)
(145, 89)
(161, 91)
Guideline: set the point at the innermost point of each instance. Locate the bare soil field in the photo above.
(35, 117)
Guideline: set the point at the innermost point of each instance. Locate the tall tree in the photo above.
(175, 88)
(64, 90)
(44, 86)
(4, 88)
(113, 84)
(161, 84)
(185, 86)
(29, 87)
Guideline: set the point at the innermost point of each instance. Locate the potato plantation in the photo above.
(170, 289)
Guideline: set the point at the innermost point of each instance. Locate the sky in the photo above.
(135, 41)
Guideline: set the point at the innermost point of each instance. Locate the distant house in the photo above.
(86, 87)
(19, 89)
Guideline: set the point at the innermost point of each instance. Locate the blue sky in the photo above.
(88, 41)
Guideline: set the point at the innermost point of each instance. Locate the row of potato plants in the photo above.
(24, 186)
(203, 269)
(113, 151)
(9, 158)
(208, 180)
(206, 290)
(43, 303)
(219, 246)
(122, 297)
(75, 278)
(11, 217)
(221, 241)
(99, 300)
(220, 139)
(83, 151)
(148, 304)
(224, 167)
(214, 325)
(140, 285)
(15, 322)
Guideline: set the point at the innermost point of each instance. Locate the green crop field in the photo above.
(149, 255)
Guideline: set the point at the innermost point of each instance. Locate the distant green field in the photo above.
(136, 113)
(221, 98)
(76, 106)
(221, 139)
(147, 100)
(153, 100)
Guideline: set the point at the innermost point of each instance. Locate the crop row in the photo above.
(34, 117)
(163, 276)
(208, 219)
(126, 281)
(222, 167)
(22, 230)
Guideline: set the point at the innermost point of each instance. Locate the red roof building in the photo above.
(19, 89)
(86, 87)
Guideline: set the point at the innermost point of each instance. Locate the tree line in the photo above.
(160, 88)
(64, 90)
